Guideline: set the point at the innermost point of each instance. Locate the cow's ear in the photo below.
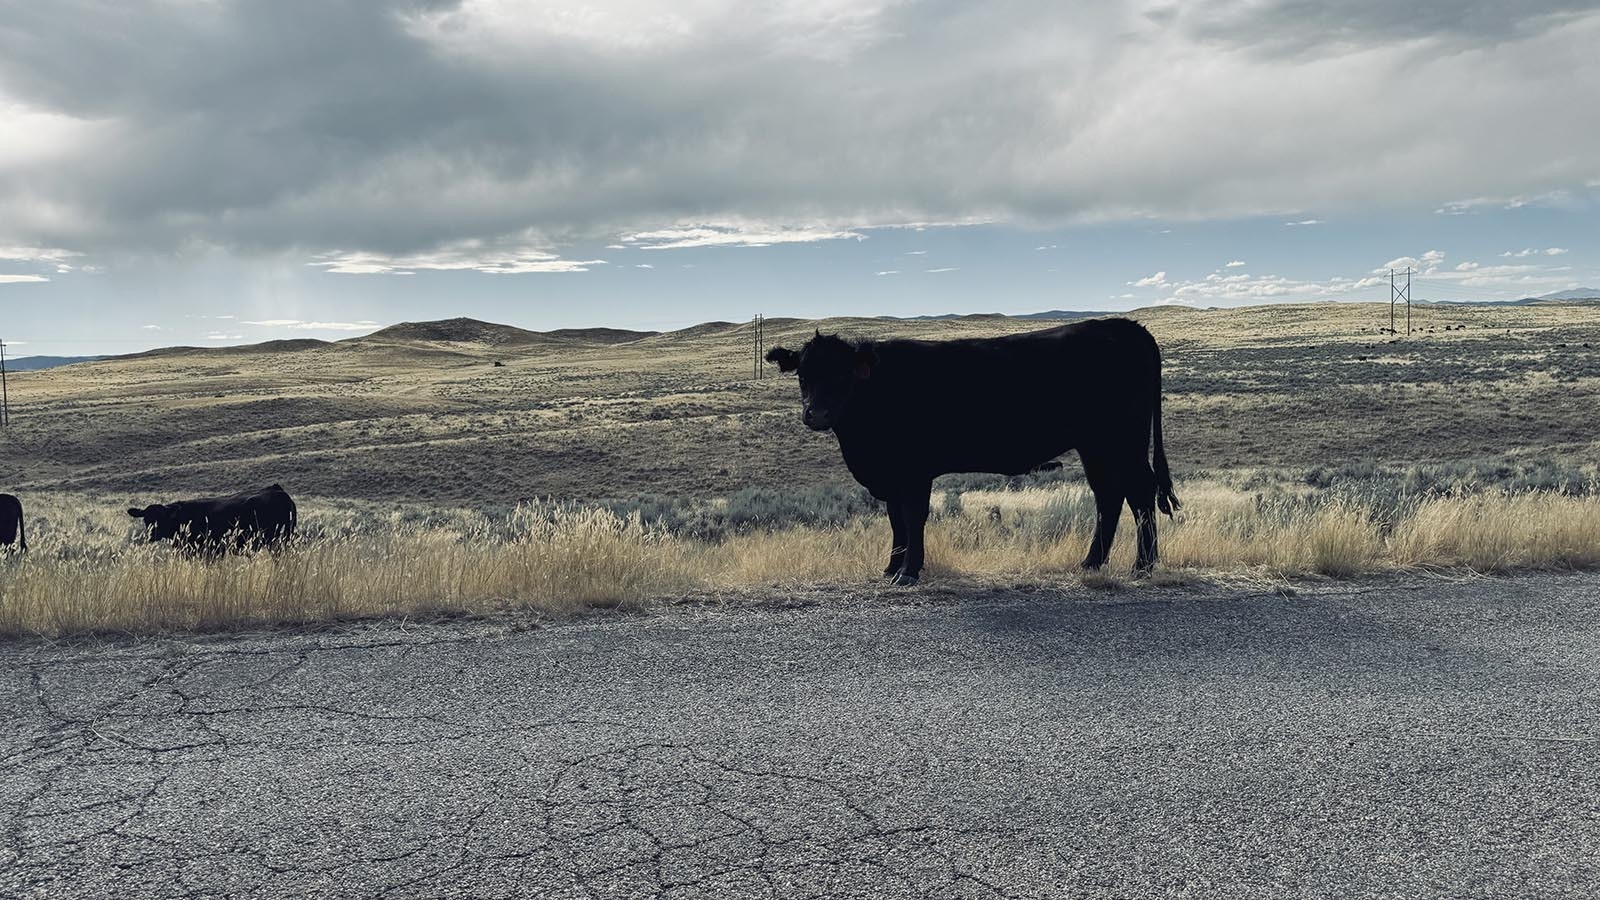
(866, 361)
(787, 360)
(136, 513)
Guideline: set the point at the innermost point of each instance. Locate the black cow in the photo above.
(11, 528)
(905, 412)
(266, 518)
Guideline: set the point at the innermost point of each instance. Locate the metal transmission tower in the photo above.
(1398, 291)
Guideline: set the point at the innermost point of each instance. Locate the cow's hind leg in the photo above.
(1107, 488)
(897, 549)
(914, 518)
(1140, 486)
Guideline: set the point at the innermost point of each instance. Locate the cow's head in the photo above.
(160, 522)
(830, 369)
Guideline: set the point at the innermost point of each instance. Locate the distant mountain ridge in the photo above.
(464, 330)
(1582, 293)
(35, 363)
(459, 330)
(1066, 314)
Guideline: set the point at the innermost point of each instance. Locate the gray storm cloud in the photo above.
(369, 132)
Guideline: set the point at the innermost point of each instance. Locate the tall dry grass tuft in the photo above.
(557, 558)
(1337, 539)
(1497, 532)
(87, 574)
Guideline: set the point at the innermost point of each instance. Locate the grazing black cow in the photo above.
(11, 527)
(905, 412)
(266, 518)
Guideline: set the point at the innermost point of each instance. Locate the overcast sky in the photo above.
(206, 171)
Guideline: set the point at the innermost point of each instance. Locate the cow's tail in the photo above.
(22, 532)
(1166, 500)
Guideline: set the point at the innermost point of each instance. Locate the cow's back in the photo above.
(265, 516)
(1001, 404)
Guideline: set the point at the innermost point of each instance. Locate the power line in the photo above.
(1446, 288)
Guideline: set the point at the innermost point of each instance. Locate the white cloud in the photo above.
(300, 325)
(224, 337)
(1046, 247)
(1234, 264)
(1244, 288)
(643, 266)
(42, 256)
(890, 272)
(515, 255)
(1428, 263)
(1534, 251)
(152, 328)
(916, 253)
(1518, 201)
(375, 137)
(1303, 222)
(1159, 279)
(723, 235)
(943, 269)
(1466, 266)
(37, 254)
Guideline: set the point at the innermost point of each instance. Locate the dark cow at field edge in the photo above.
(905, 412)
(265, 518)
(12, 531)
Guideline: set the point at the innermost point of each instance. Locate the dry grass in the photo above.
(1497, 532)
(561, 559)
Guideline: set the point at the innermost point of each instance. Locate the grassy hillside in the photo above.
(422, 412)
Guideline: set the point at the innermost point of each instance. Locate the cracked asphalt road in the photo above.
(1391, 738)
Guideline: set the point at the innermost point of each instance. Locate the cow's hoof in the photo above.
(1090, 565)
(901, 579)
(1144, 571)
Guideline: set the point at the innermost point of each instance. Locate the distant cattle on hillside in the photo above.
(264, 518)
(12, 531)
(905, 412)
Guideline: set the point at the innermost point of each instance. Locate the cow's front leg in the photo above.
(914, 518)
(897, 548)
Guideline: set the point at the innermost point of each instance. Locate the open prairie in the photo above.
(423, 413)
(465, 467)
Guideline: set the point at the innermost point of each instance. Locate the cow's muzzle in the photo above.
(816, 421)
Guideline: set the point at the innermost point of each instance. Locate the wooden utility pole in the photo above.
(5, 396)
(760, 347)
